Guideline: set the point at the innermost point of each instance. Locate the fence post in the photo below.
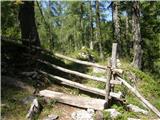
(111, 65)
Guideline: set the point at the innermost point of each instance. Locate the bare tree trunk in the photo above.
(116, 23)
(81, 24)
(91, 27)
(127, 38)
(99, 36)
(27, 24)
(136, 35)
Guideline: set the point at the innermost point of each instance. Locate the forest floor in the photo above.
(12, 107)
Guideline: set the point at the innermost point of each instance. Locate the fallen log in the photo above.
(78, 101)
(139, 96)
(79, 61)
(74, 72)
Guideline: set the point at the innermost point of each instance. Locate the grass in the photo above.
(13, 109)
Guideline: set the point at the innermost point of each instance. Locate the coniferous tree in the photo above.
(27, 24)
(137, 49)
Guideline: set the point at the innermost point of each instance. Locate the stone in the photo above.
(113, 112)
(51, 117)
(99, 115)
(83, 115)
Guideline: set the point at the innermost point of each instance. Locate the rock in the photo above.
(27, 100)
(99, 115)
(34, 109)
(51, 117)
(134, 108)
(83, 115)
(113, 112)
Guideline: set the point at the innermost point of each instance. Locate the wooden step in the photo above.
(78, 101)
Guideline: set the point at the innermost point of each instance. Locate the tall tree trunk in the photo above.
(91, 27)
(127, 40)
(27, 24)
(99, 36)
(137, 59)
(81, 23)
(116, 24)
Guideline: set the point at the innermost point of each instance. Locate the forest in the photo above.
(63, 45)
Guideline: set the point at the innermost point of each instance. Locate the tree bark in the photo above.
(91, 27)
(27, 24)
(136, 35)
(99, 36)
(116, 24)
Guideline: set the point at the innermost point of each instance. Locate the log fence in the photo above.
(112, 79)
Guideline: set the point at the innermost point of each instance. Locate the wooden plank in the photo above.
(140, 97)
(80, 61)
(76, 85)
(78, 101)
(74, 72)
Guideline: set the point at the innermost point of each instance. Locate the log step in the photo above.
(78, 101)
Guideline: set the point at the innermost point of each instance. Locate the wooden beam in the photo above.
(80, 61)
(73, 72)
(109, 75)
(140, 97)
(114, 55)
(76, 85)
(78, 101)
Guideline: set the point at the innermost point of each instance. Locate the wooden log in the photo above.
(140, 97)
(74, 72)
(76, 85)
(79, 86)
(117, 71)
(115, 82)
(80, 61)
(78, 101)
(116, 95)
(114, 56)
(109, 75)
(135, 108)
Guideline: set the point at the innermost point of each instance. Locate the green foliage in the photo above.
(9, 19)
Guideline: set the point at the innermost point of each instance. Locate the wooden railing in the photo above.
(112, 79)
